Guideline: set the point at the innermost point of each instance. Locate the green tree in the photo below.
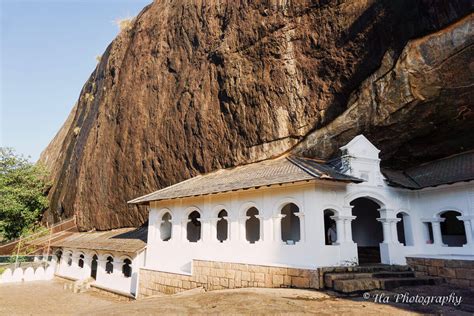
(23, 191)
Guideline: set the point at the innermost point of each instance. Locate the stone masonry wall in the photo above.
(456, 272)
(212, 275)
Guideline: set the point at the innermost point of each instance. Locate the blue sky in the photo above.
(48, 50)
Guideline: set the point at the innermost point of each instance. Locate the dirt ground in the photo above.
(49, 297)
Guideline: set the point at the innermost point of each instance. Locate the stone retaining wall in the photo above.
(456, 272)
(212, 275)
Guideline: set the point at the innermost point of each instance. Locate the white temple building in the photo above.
(285, 222)
(278, 213)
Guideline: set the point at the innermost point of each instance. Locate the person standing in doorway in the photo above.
(332, 234)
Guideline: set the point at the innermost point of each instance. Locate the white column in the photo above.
(302, 226)
(117, 267)
(87, 265)
(242, 221)
(393, 229)
(387, 234)
(74, 268)
(213, 223)
(101, 274)
(261, 219)
(205, 229)
(184, 229)
(277, 227)
(467, 220)
(348, 228)
(343, 228)
(437, 238)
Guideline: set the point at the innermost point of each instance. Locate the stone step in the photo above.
(388, 284)
(329, 278)
(358, 285)
(393, 274)
(373, 268)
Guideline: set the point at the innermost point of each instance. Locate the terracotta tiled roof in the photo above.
(265, 173)
(448, 170)
(127, 240)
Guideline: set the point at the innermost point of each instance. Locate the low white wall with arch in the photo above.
(27, 274)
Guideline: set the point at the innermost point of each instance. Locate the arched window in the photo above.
(69, 259)
(194, 227)
(222, 226)
(94, 264)
(165, 227)
(452, 229)
(80, 263)
(330, 229)
(109, 265)
(404, 232)
(252, 225)
(127, 268)
(290, 224)
(59, 254)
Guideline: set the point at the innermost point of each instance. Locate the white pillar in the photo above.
(348, 228)
(184, 229)
(437, 238)
(213, 223)
(393, 229)
(242, 221)
(260, 218)
(467, 220)
(302, 226)
(101, 274)
(205, 229)
(387, 234)
(277, 227)
(117, 267)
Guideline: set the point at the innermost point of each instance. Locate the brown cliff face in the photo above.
(192, 88)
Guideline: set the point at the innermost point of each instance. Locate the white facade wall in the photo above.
(312, 198)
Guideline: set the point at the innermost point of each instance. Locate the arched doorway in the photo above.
(453, 232)
(94, 267)
(366, 230)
